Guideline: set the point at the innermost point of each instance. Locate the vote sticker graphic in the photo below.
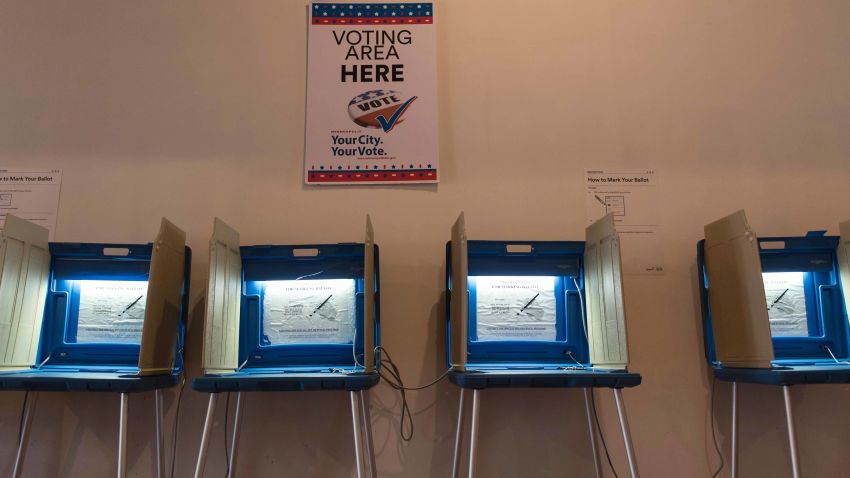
(383, 109)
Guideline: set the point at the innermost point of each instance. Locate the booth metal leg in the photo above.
(792, 435)
(597, 466)
(23, 441)
(473, 434)
(358, 446)
(458, 437)
(158, 409)
(627, 436)
(734, 471)
(366, 416)
(122, 436)
(205, 438)
(234, 445)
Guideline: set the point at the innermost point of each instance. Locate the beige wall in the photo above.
(193, 109)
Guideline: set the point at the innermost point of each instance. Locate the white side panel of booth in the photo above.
(224, 291)
(25, 264)
(606, 314)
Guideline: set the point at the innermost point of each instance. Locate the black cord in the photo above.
(226, 418)
(176, 423)
(601, 436)
(714, 433)
(397, 383)
(23, 412)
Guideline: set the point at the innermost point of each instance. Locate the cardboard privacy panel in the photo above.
(460, 295)
(844, 262)
(224, 292)
(369, 299)
(736, 294)
(162, 307)
(606, 315)
(24, 268)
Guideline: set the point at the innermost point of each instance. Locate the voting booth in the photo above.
(291, 318)
(91, 317)
(539, 314)
(774, 311)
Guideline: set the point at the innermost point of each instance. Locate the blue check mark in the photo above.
(388, 125)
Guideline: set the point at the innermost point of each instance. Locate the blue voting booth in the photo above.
(91, 318)
(774, 311)
(291, 318)
(539, 314)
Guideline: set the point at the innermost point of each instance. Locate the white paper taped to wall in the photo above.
(515, 307)
(786, 304)
(31, 194)
(309, 311)
(111, 311)
(632, 197)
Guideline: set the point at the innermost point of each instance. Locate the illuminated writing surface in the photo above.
(515, 308)
(110, 311)
(786, 303)
(309, 311)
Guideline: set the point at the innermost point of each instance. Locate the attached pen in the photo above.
(321, 305)
(778, 298)
(529, 303)
(132, 304)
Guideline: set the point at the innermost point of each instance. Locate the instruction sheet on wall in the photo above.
(31, 194)
(631, 195)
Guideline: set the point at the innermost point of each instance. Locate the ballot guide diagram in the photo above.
(515, 308)
(31, 194)
(309, 312)
(111, 311)
(631, 196)
(786, 303)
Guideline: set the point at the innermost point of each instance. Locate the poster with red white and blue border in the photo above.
(371, 94)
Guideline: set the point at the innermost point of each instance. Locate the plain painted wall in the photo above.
(194, 109)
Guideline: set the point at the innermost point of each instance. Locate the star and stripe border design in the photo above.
(333, 14)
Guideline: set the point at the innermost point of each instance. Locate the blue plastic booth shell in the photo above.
(563, 363)
(799, 360)
(93, 367)
(298, 367)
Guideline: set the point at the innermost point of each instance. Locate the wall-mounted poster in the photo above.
(631, 196)
(31, 194)
(371, 94)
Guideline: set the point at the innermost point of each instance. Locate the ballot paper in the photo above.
(515, 307)
(309, 311)
(786, 303)
(111, 311)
